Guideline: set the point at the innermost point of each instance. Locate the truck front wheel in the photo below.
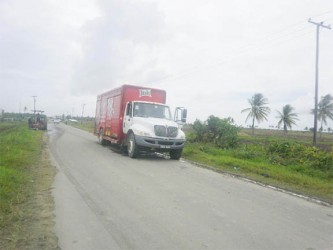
(175, 154)
(132, 148)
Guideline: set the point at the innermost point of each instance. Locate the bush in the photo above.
(221, 132)
(286, 153)
(249, 152)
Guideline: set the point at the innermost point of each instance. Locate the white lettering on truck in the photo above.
(145, 92)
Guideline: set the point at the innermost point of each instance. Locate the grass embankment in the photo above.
(84, 125)
(25, 180)
(274, 159)
(19, 149)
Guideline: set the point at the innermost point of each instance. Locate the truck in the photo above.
(38, 122)
(137, 119)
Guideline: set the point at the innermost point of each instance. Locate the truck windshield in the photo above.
(151, 110)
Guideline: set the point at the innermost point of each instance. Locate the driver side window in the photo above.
(129, 109)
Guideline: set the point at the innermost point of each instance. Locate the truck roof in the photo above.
(157, 103)
(129, 86)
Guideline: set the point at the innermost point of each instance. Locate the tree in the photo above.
(199, 129)
(222, 132)
(287, 118)
(325, 110)
(257, 110)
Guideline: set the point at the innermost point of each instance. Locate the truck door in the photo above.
(128, 118)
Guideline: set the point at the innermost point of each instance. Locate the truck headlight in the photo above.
(181, 135)
(144, 133)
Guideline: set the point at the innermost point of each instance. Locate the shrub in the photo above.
(221, 132)
(286, 153)
(249, 152)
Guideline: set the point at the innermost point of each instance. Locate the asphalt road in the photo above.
(105, 200)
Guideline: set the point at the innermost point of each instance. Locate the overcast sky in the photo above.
(209, 55)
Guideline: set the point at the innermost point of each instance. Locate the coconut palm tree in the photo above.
(287, 118)
(257, 110)
(325, 110)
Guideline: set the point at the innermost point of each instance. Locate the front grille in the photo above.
(172, 132)
(165, 131)
(160, 130)
(166, 143)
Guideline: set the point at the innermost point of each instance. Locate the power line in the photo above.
(294, 31)
(234, 55)
(322, 14)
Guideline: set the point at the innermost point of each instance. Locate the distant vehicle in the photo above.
(56, 121)
(137, 119)
(38, 122)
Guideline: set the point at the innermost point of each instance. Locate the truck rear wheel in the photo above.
(100, 137)
(175, 154)
(132, 148)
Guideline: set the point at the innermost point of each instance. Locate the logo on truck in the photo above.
(145, 92)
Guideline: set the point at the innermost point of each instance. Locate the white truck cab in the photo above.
(150, 125)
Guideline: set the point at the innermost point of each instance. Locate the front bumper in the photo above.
(159, 143)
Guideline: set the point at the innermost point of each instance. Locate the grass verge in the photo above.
(26, 204)
(84, 125)
(295, 178)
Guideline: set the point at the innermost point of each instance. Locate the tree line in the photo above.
(259, 111)
(224, 133)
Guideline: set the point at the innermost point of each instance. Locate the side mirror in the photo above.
(180, 115)
(184, 115)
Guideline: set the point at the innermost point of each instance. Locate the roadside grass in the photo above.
(84, 125)
(251, 161)
(26, 177)
(19, 149)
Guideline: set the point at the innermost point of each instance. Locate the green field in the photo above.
(271, 157)
(324, 140)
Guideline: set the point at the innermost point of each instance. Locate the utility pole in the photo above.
(34, 96)
(318, 25)
(82, 112)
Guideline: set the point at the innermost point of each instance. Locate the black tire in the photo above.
(100, 137)
(175, 154)
(132, 148)
(123, 149)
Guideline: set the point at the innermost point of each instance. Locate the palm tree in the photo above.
(257, 110)
(287, 117)
(325, 110)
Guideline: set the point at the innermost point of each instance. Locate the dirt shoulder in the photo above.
(33, 227)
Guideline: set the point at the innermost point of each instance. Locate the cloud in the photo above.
(37, 48)
(210, 56)
(117, 45)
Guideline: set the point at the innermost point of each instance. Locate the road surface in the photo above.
(105, 200)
